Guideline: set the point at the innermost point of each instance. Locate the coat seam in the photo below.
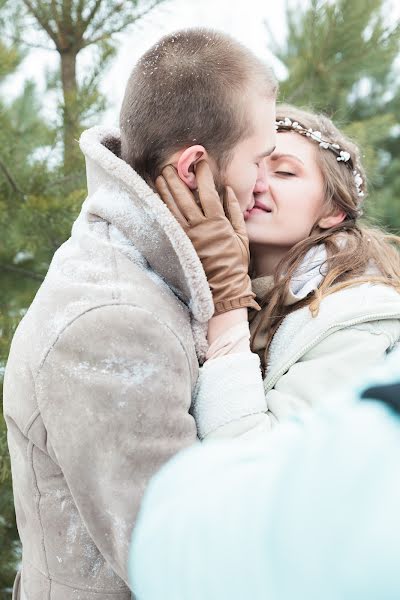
(31, 420)
(115, 292)
(370, 299)
(119, 304)
(74, 587)
(37, 503)
(378, 331)
(269, 382)
(36, 412)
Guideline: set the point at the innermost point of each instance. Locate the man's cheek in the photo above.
(220, 182)
(244, 199)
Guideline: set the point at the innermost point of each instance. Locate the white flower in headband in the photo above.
(359, 181)
(344, 156)
(341, 155)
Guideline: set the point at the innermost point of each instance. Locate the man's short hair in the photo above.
(190, 88)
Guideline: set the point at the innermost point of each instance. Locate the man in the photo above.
(101, 370)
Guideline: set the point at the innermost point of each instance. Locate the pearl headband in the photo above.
(341, 155)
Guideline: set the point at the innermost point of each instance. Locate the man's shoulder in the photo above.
(68, 300)
(114, 328)
(81, 337)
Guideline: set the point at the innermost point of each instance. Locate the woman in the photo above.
(328, 286)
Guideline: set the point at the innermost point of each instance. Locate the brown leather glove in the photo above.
(217, 232)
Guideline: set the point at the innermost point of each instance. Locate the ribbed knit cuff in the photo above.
(228, 388)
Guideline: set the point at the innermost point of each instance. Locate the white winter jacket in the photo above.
(310, 358)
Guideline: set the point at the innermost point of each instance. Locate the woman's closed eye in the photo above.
(286, 173)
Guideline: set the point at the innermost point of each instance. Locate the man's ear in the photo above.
(186, 164)
(331, 220)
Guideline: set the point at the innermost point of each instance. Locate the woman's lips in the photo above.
(259, 208)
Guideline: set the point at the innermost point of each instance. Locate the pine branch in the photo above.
(14, 40)
(104, 36)
(41, 20)
(10, 179)
(62, 180)
(103, 19)
(55, 14)
(66, 9)
(91, 15)
(79, 8)
(23, 272)
(128, 21)
(78, 15)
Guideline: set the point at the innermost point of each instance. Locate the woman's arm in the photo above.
(229, 399)
(218, 325)
(342, 359)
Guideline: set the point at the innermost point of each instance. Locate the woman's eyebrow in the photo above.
(279, 156)
(266, 153)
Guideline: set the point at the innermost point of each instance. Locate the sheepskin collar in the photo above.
(117, 194)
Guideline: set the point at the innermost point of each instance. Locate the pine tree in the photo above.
(10, 57)
(341, 60)
(73, 26)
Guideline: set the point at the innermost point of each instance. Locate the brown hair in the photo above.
(190, 88)
(348, 262)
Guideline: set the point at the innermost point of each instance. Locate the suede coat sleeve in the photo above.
(115, 405)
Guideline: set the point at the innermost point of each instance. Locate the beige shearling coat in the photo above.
(99, 381)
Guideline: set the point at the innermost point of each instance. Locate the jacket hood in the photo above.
(118, 195)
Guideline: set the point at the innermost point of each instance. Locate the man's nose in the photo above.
(262, 181)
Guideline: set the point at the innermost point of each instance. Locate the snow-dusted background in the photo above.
(243, 19)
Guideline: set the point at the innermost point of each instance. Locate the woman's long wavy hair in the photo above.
(352, 248)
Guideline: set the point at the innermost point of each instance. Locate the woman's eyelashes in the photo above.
(285, 173)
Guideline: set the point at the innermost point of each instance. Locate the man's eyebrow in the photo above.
(266, 153)
(279, 156)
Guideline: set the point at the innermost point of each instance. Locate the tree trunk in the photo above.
(70, 110)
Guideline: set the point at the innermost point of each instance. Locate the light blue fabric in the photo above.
(312, 513)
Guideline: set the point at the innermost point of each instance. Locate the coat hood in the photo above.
(118, 195)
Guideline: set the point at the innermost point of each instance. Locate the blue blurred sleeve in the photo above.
(311, 513)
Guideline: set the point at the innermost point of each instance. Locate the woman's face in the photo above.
(294, 198)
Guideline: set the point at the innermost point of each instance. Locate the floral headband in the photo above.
(287, 125)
